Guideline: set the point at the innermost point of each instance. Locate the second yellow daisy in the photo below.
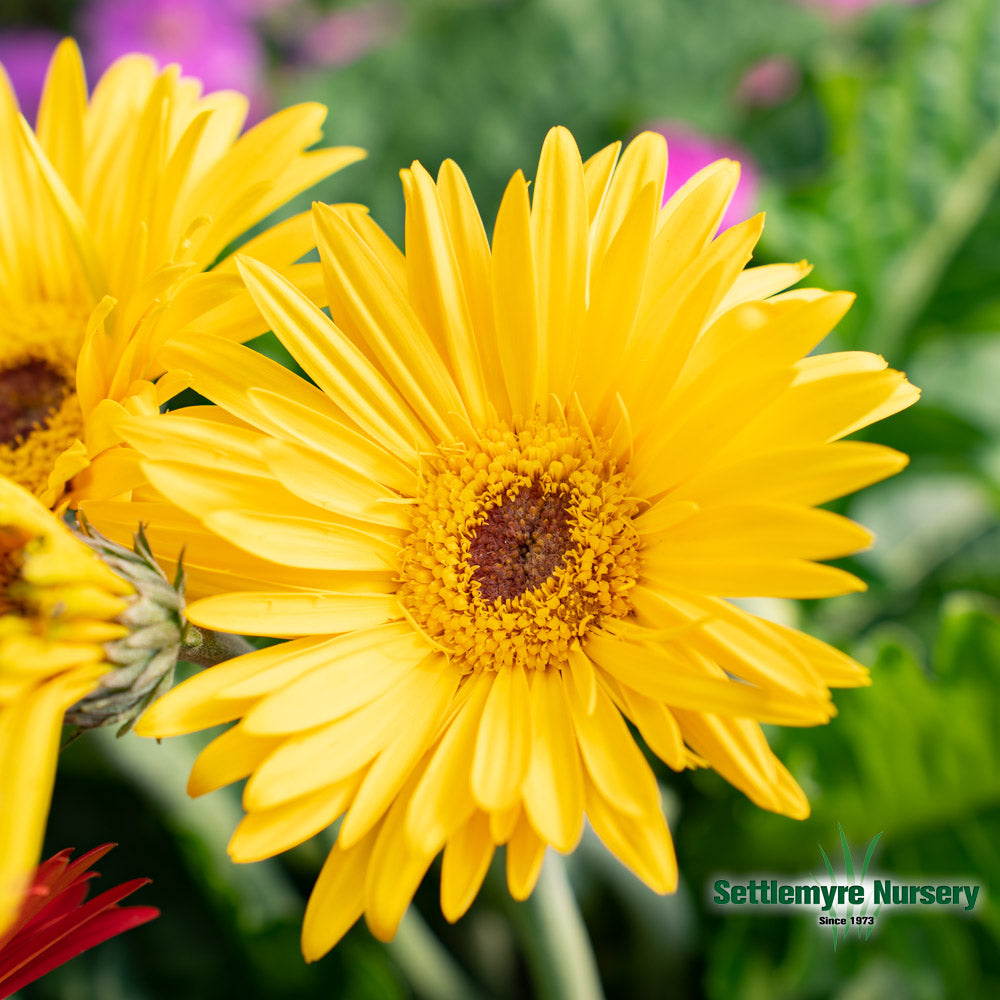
(112, 208)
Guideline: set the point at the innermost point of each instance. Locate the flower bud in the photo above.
(143, 659)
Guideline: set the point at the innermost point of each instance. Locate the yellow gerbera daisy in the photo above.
(59, 605)
(498, 525)
(125, 199)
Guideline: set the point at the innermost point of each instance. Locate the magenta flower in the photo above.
(848, 7)
(769, 82)
(57, 922)
(688, 151)
(25, 54)
(215, 42)
(344, 36)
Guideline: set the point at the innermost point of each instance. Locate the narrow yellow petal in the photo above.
(612, 759)
(503, 744)
(764, 577)
(833, 396)
(642, 843)
(836, 668)
(203, 489)
(339, 368)
(395, 871)
(762, 282)
(502, 823)
(297, 420)
(553, 785)
(304, 542)
(283, 243)
(341, 685)
(597, 173)
(759, 335)
(287, 614)
(390, 769)
(222, 447)
(314, 758)
(675, 315)
(515, 299)
(657, 726)
(333, 485)
(266, 832)
(615, 292)
(737, 749)
(365, 294)
(669, 455)
(228, 758)
(681, 683)
(559, 235)
(582, 677)
(76, 229)
(757, 530)
(203, 700)
(60, 116)
(227, 373)
(442, 799)
(467, 857)
(436, 289)
(525, 854)
(272, 669)
(812, 474)
(745, 646)
(337, 899)
(472, 253)
(29, 731)
(689, 220)
(643, 162)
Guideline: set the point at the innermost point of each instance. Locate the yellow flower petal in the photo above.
(553, 785)
(467, 857)
(503, 744)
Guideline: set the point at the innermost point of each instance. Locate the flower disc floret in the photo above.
(522, 502)
(40, 414)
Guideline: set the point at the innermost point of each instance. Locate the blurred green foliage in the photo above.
(883, 169)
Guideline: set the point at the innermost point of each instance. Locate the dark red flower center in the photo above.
(520, 544)
(29, 393)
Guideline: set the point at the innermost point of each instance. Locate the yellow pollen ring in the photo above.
(549, 501)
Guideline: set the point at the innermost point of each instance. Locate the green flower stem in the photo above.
(430, 970)
(206, 648)
(913, 279)
(260, 894)
(555, 939)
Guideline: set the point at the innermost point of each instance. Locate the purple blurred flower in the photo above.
(688, 151)
(25, 54)
(769, 82)
(214, 41)
(344, 36)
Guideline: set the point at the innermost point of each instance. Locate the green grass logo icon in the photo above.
(864, 927)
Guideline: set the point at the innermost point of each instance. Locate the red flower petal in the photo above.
(56, 924)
